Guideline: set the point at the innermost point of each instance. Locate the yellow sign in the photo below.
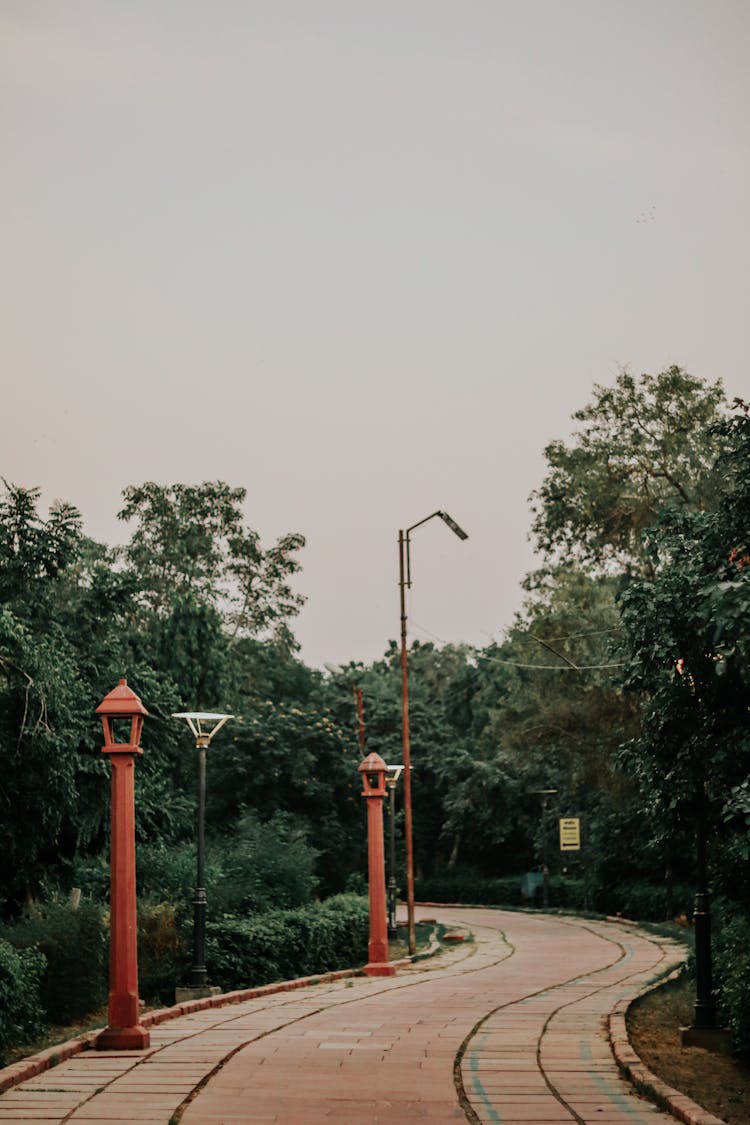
(570, 834)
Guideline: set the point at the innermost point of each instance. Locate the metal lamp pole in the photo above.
(705, 1006)
(204, 725)
(391, 781)
(545, 794)
(404, 581)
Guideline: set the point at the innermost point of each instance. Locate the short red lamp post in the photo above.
(373, 770)
(123, 1031)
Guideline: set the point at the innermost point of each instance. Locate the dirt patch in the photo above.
(717, 1082)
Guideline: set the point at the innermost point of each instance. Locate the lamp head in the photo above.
(203, 724)
(459, 531)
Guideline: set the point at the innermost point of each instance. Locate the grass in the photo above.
(717, 1082)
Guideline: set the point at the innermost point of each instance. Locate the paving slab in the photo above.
(509, 1027)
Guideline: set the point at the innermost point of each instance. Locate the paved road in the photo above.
(508, 1028)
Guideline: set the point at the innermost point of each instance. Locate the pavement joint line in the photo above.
(627, 1060)
(626, 956)
(84, 1043)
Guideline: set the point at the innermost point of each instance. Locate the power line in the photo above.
(517, 664)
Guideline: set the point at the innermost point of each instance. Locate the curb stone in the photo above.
(645, 1082)
(30, 1067)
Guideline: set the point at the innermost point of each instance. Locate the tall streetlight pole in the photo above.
(203, 726)
(404, 581)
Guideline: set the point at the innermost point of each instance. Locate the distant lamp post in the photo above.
(123, 1032)
(337, 670)
(373, 770)
(404, 581)
(391, 781)
(545, 794)
(203, 726)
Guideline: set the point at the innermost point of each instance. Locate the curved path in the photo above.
(511, 1027)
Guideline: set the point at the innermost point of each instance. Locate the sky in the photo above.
(364, 259)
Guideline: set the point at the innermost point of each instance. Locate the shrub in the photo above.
(732, 972)
(163, 951)
(464, 884)
(646, 902)
(21, 974)
(284, 944)
(74, 945)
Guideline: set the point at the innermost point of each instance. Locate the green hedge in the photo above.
(731, 963)
(462, 884)
(284, 944)
(21, 1012)
(640, 900)
(645, 902)
(74, 944)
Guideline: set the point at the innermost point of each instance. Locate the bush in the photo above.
(21, 1014)
(74, 944)
(645, 902)
(732, 971)
(464, 884)
(163, 951)
(284, 944)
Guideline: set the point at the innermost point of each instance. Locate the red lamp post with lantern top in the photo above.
(120, 707)
(373, 770)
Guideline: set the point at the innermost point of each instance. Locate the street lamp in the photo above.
(545, 794)
(203, 726)
(337, 670)
(122, 709)
(404, 581)
(373, 770)
(391, 781)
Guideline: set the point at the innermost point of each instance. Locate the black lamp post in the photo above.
(545, 794)
(705, 1006)
(203, 725)
(391, 781)
(404, 581)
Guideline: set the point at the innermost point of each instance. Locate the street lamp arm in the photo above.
(405, 535)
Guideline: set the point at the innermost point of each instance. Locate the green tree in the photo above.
(645, 444)
(190, 542)
(690, 643)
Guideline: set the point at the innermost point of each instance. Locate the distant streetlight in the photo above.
(545, 794)
(404, 581)
(391, 781)
(337, 670)
(203, 726)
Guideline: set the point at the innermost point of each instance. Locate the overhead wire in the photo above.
(415, 626)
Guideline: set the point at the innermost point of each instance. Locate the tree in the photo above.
(646, 444)
(190, 542)
(690, 642)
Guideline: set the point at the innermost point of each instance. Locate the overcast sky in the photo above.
(364, 258)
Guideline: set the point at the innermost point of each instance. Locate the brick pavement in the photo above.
(509, 1028)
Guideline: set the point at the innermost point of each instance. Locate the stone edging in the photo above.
(27, 1068)
(645, 1082)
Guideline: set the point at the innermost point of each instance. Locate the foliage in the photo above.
(690, 654)
(732, 972)
(73, 942)
(21, 974)
(163, 951)
(296, 760)
(284, 944)
(645, 446)
(190, 543)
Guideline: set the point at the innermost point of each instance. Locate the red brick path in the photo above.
(510, 1028)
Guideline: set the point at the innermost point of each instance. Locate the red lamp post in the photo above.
(123, 1030)
(373, 770)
